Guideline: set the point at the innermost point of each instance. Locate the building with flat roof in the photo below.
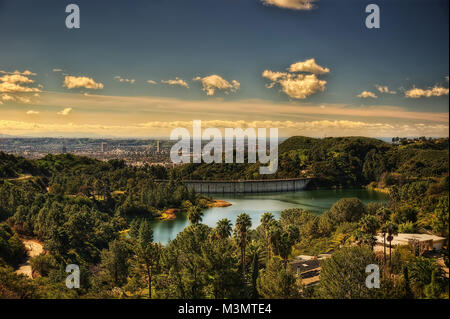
(308, 268)
(425, 241)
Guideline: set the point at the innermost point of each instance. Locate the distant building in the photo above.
(64, 149)
(104, 147)
(157, 147)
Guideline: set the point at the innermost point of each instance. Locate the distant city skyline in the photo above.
(141, 69)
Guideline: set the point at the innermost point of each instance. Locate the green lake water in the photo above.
(316, 201)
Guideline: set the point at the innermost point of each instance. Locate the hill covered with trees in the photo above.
(338, 161)
(98, 215)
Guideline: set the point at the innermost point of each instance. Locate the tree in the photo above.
(223, 228)
(147, 252)
(441, 217)
(347, 210)
(277, 281)
(266, 221)
(115, 263)
(14, 286)
(195, 215)
(391, 229)
(433, 290)
(287, 239)
(243, 224)
(383, 233)
(43, 264)
(185, 273)
(408, 293)
(255, 254)
(368, 226)
(343, 275)
(221, 265)
(421, 272)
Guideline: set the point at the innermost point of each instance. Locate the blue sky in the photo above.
(235, 39)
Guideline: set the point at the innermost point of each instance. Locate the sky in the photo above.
(144, 67)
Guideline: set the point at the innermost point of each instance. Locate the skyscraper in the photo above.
(104, 146)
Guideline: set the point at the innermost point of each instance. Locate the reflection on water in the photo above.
(316, 201)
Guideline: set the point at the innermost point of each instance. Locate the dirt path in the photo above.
(34, 248)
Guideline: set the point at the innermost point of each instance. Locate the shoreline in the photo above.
(170, 214)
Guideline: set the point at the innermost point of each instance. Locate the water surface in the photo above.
(315, 201)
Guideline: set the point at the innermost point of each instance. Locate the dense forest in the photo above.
(98, 215)
(338, 162)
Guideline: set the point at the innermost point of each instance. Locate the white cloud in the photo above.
(416, 93)
(12, 82)
(274, 76)
(177, 81)
(31, 112)
(7, 87)
(367, 94)
(16, 72)
(215, 82)
(297, 86)
(151, 82)
(72, 82)
(23, 99)
(291, 4)
(7, 98)
(384, 89)
(15, 98)
(16, 78)
(65, 112)
(308, 66)
(57, 70)
(121, 79)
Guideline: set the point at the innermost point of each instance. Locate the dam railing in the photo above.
(246, 186)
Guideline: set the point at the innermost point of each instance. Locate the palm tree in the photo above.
(223, 228)
(383, 233)
(391, 230)
(195, 215)
(383, 214)
(274, 233)
(243, 224)
(266, 220)
(255, 253)
(369, 225)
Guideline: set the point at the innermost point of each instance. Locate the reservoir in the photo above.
(315, 201)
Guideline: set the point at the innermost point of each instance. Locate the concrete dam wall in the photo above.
(248, 186)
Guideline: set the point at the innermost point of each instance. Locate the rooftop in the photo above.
(405, 239)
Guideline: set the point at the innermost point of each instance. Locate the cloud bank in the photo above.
(15, 82)
(416, 93)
